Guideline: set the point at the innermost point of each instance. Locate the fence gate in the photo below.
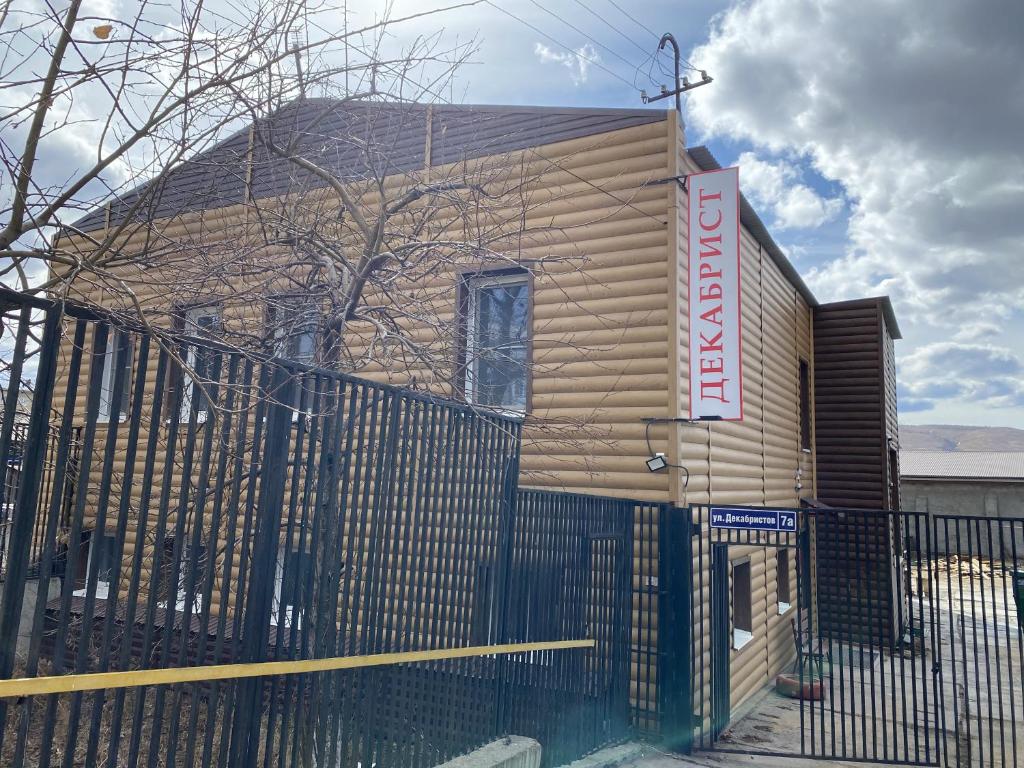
(979, 598)
(840, 603)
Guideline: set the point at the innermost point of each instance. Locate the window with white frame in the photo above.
(497, 340)
(118, 356)
(293, 324)
(291, 573)
(175, 577)
(100, 556)
(742, 606)
(783, 581)
(200, 322)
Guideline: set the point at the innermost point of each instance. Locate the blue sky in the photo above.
(880, 141)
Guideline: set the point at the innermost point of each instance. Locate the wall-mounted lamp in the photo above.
(657, 462)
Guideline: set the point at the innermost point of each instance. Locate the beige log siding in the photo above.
(600, 340)
(753, 462)
(610, 337)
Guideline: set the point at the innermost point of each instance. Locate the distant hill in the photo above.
(949, 437)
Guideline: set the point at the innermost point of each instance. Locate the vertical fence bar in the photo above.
(245, 728)
(674, 627)
(28, 494)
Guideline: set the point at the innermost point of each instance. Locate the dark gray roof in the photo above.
(748, 217)
(360, 139)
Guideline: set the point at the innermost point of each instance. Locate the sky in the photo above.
(880, 141)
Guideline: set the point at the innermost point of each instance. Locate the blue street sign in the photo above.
(750, 519)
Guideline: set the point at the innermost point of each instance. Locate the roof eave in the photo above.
(702, 156)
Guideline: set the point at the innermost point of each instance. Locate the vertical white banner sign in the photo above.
(716, 370)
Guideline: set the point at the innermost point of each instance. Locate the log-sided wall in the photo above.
(610, 339)
(858, 437)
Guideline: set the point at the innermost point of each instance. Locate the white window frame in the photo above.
(474, 284)
(102, 586)
(282, 615)
(742, 637)
(192, 328)
(180, 595)
(280, 340)
(107, 379)
(784, 607)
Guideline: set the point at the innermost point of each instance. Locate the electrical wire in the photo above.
(645, 51)
(639, 23)
(579, 31)
(653, 34)
(591, 60)
(650, 450)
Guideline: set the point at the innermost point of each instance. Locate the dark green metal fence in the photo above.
(229, 507)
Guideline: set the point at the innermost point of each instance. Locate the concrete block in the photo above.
(509, 752)
(611, 757)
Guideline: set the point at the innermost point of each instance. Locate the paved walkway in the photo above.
(890, 705)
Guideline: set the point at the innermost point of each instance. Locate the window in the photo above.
(176, 583)
(805, 406)
(117, 356)
(742, 620)
(782, 580)
(497, 337)
(99, 553)
(201, 322)
(291, 576)
(293, 324)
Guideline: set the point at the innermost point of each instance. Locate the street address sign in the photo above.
(750, 519)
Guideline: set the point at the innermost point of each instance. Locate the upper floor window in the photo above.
(118, 356)
(294, 325)
(202, 322)
(497, 340)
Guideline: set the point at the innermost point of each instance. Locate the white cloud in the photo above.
(982, 373)
(776, 186)
(915, 109)
(578, 62)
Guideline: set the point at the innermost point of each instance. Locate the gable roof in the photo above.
(702, 156)
(962, 465)
(338, 133)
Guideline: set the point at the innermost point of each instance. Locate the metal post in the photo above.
(674, 627)
(245, 739)
(28, 497)
(504, 557)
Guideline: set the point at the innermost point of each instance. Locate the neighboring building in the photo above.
(857, 432)
(603, 345)
(983, 484)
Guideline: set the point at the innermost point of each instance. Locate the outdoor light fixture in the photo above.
(656, 462)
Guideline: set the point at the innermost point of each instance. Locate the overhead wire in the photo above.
(589, 59)
(579, 31)
(653, 34)
(645, 51)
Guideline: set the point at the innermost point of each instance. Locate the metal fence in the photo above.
(10, 477)
(979, 595)
(232, 508)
